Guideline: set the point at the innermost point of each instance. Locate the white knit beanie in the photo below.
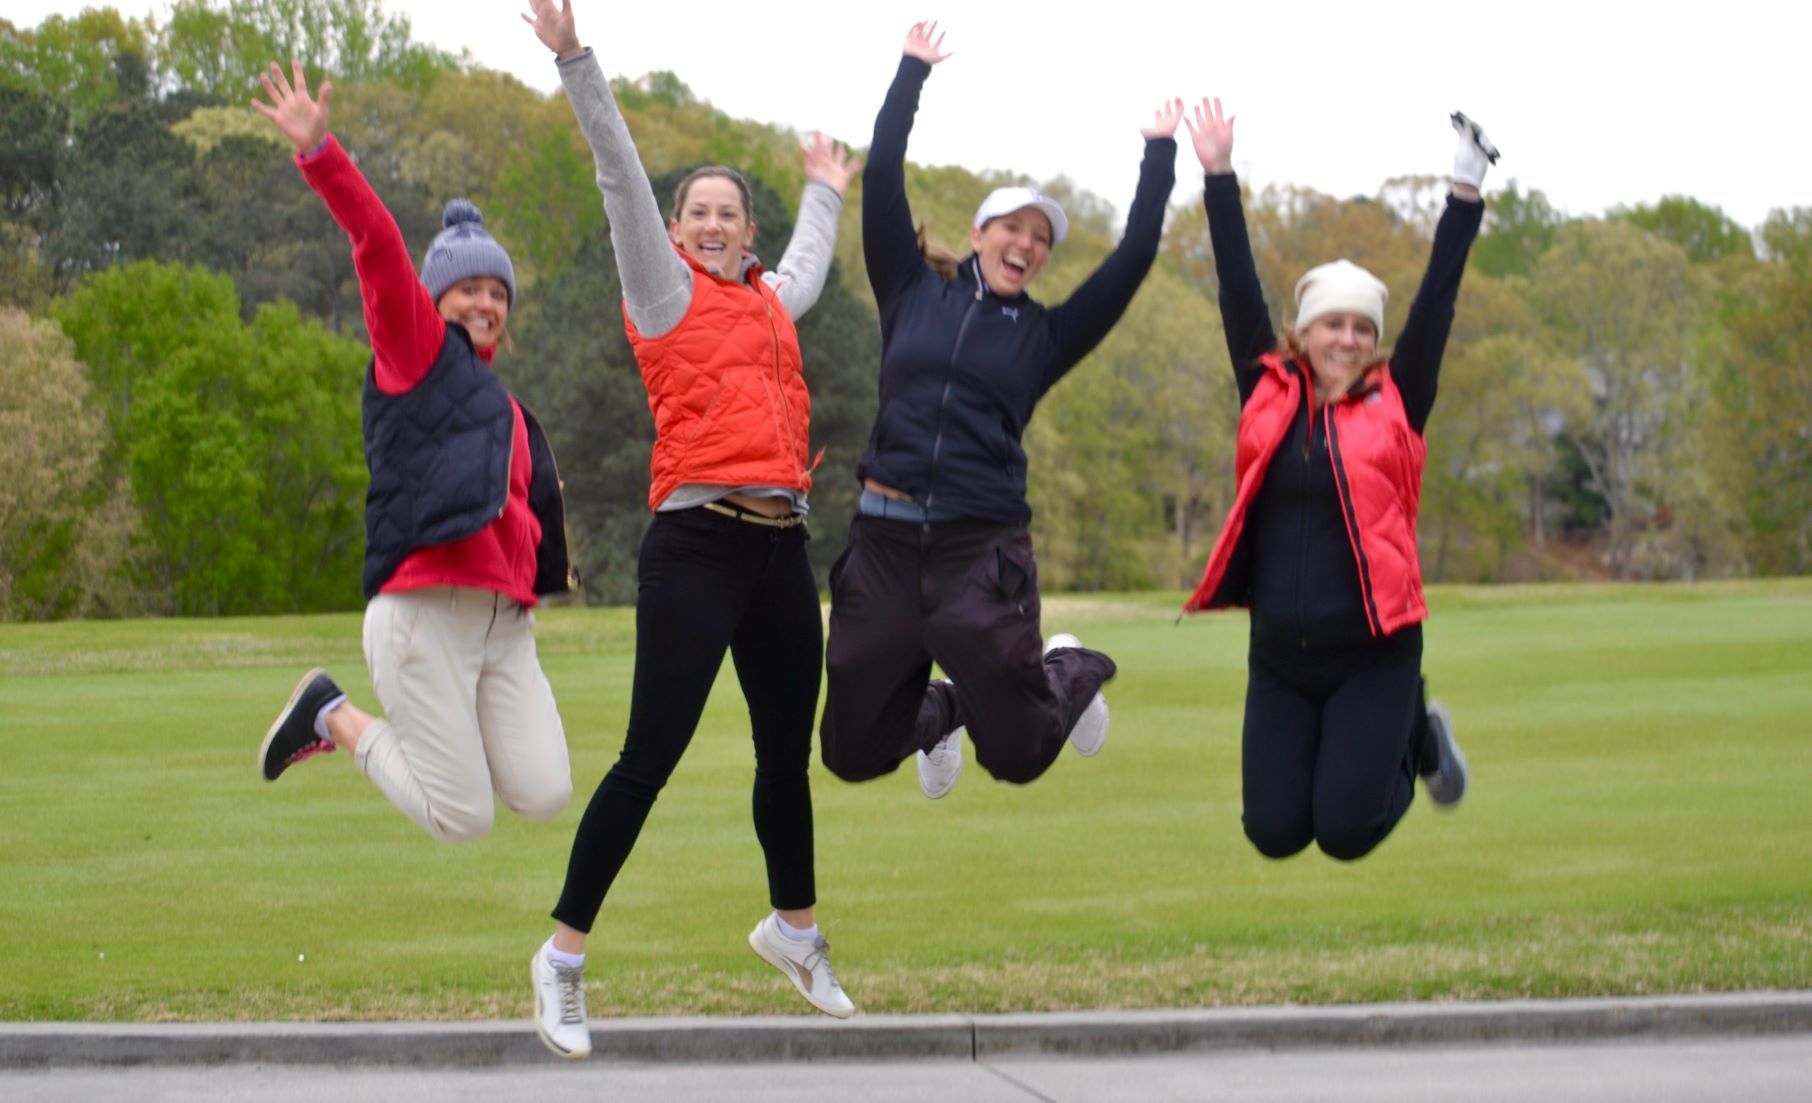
(1340, 287)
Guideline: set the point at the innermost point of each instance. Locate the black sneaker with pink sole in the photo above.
(292, 736)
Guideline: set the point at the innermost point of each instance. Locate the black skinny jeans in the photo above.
(707, 583)
(1333, 737)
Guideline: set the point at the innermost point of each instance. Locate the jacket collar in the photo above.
(751, 266)
(969, 272)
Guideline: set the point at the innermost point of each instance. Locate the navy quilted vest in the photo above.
(439, 456)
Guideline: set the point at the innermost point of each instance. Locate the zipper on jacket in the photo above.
(943, 402)
(1350, 517)
(786, 411)
(1302, 520)
(509, 467)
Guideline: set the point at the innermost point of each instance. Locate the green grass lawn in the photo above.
(1640, 822)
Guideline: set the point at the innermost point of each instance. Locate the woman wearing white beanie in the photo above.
(1320, 543)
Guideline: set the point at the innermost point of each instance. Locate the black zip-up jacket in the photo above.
(1295, 566)
(962, 368)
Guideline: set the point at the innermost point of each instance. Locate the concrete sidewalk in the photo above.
(905, 1037)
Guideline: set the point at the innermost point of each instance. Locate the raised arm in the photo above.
(1415, 363)
(890, 246)
(1084, 318)
(406, 330)
(1245, 320)
(657, 284)
(799, 277)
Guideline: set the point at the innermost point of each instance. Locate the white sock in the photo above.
(797, 934)
(561, 957)
(321, 717)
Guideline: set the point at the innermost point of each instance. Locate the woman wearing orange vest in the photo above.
(1321, 541)
(723, 565)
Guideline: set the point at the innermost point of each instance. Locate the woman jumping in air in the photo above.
(1321, 541)
(723, 565)
(464, 526)
(940, 564)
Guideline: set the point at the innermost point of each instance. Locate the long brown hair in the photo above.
(939, 256)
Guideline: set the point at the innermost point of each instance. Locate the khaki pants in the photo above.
(468, 713)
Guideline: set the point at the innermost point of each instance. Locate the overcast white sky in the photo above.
(1596, 104)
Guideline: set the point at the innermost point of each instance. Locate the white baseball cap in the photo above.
(1002, 201)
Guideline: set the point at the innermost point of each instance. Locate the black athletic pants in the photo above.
(1331, 745)
(709, 583)
(963, 593)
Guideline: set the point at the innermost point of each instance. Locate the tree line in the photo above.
(1625, 396)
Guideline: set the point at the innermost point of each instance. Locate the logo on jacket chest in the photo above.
(1011, 312)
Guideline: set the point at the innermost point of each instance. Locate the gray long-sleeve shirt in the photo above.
(657, 282)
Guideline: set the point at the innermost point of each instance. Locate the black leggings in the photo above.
(707, 583)
(1331, 742)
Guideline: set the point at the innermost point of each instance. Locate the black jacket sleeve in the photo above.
(1244, 316)
(1415, 364)
(890, 244)
(1085, 317)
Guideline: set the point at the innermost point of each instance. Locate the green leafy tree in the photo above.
(81, 64)
(1628, 306)
(1519, 228)
(241, 443)
(1705, 233)
(64, 532)
(222, 49)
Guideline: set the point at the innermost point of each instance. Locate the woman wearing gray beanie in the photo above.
(1320, 543)
(723, 566)
(464, 524)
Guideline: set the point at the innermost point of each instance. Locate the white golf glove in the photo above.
(1476, 153)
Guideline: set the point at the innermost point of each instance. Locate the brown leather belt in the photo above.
(786, 522)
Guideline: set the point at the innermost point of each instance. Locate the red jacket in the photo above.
(729, 400)
(407, 333)
(1377, 462)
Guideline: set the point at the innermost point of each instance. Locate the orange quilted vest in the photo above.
(729, 401)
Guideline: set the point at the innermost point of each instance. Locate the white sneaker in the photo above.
(806, 964)
(560, 1007)
(1089, 731)
(940, 766)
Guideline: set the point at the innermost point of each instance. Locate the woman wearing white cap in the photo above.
(1321, 541)
(940, 565)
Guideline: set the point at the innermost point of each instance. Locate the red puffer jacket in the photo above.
(1377, 462)
(729, 401)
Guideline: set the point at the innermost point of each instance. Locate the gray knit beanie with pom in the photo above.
(463, 250)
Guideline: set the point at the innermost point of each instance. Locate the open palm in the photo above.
(299, 116)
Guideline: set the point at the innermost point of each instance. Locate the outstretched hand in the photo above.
(925, 42)
(1474, 156)
(553, 23)
(827, 162)
(1212, 132)
(1165, 120)
(301, 119)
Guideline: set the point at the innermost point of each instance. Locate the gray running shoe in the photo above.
(1447, 780)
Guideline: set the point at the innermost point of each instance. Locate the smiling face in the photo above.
(1012, 249)
(711, 224)
(1339, 346)
(481, 304)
